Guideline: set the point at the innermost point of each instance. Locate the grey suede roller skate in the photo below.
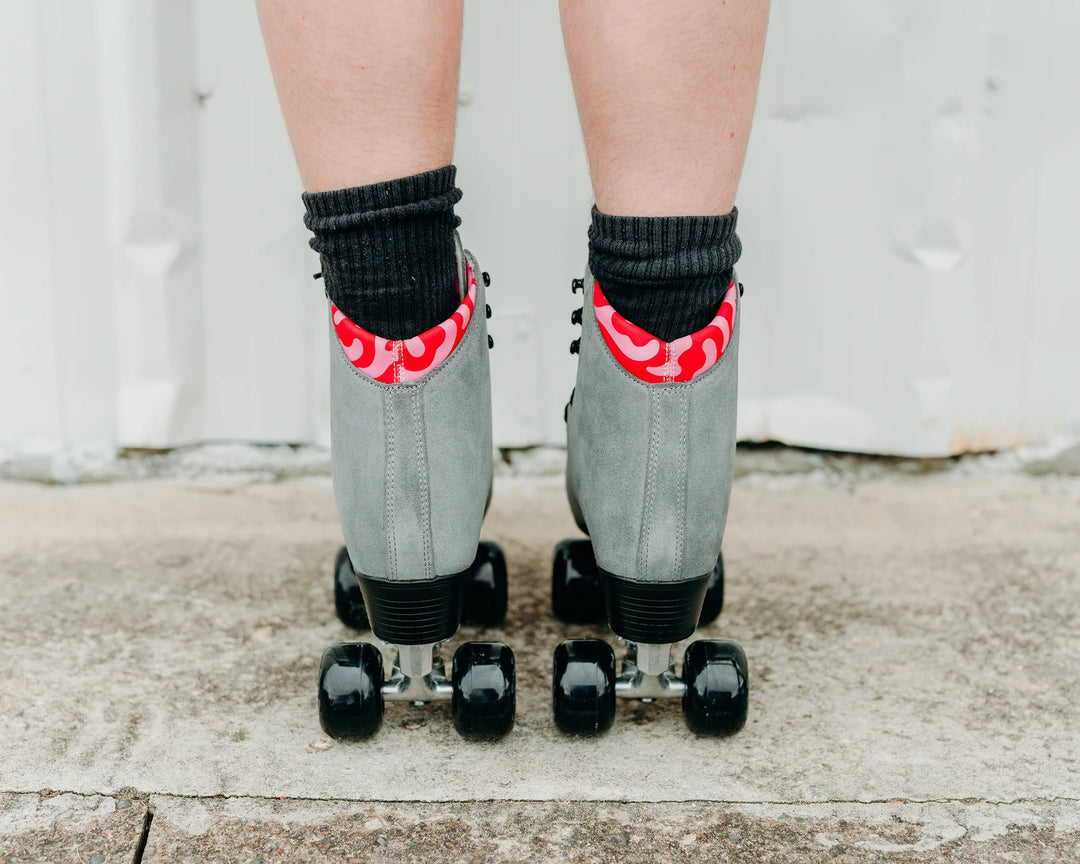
(651, 448)
(412, 467)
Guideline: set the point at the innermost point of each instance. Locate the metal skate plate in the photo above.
(633, 683)
(427, 681)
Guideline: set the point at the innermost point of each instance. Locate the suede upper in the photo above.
(412, 460)
(650, 464)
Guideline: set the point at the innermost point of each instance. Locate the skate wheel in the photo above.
(714, 595)
(584, 686)
(348, 601)
(350, 690)
(485, 689)
(717, 687)
(484, 591)
(577, 594)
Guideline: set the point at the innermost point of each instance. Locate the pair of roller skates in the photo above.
(651, 444)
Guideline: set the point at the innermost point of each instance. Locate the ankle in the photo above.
(668, 275)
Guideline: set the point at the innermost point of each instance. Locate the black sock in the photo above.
(666, 274)
(387, 251)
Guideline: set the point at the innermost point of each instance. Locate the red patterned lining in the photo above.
(392, 361)
(646, 357)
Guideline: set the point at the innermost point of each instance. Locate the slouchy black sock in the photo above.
(387, 251)
(667, 274)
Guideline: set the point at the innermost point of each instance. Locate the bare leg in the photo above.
(368, 89)
(369, 93)
(666, 95)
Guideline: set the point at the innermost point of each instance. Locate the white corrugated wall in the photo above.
(907, 214)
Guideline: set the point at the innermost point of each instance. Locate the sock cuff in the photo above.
(388, 201)
(657, 250)
(387, 251)
(666, 274)
(666, 232)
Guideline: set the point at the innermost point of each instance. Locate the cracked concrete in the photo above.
(96, 829)
(914, 661)
(566, 831)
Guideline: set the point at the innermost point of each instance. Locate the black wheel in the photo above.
(584, 686)
(348, 601)
(484, 590)
(350, 690)
(485, 689)
(717, 687)
(714, 595)
(577, 594)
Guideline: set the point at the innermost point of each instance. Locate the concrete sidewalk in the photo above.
(914, 646)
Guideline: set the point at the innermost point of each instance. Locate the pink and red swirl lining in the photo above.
(646, 357)
(393, 361)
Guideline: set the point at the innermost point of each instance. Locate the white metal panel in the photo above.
(55, 271)
(150, 163)
(265, 332)
(907, 214)
(525, 208)
(31, 414)
(904, 211)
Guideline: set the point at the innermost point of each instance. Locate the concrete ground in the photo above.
(914, 645)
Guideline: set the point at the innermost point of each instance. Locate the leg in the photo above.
(369, 93)
(666, 94)
(368, 89)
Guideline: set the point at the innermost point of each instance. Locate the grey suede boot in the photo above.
(650, 458)
(411, 457)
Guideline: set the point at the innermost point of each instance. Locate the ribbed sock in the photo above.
(387, 251)
(666, 274)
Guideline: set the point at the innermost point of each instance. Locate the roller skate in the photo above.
(650, 458)
(412, 467)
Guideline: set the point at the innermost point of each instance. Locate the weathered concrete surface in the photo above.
(90, 829)
(698, 832)
(911, 639)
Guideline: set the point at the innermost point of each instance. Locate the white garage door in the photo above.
(908, 214)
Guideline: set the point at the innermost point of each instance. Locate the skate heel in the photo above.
(654, 612)
(413, 613)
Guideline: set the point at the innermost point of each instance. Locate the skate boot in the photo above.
(412, 467)
(650, 456)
